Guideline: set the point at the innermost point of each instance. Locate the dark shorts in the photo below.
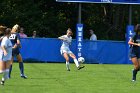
(15, 52)
(134, 53)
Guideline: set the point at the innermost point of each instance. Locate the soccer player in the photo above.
(65, 50)
(2, 29)
(135, 51)
(5, 55)
(15, 39)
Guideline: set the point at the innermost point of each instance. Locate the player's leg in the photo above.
(10, 67)
(139, 63)
(136, 67)
(21, 66)
(67, 61)
(1, 67)
(76, 61)
(8, 63)
(1, 64)
(6, 72)
(3, 77)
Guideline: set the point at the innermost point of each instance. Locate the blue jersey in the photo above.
(135, 50)
(14, 37)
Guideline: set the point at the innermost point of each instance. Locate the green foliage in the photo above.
(51, 19)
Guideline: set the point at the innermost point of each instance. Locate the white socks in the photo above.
(1, 71)
(67, 65)
(5, 75)
(76, 62)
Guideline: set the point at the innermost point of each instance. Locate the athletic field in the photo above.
(53, 78)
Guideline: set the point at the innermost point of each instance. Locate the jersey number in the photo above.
(13, 36)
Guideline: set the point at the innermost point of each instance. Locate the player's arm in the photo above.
(61, 38)
(18, 43)
(1, 38)
(3, 44)
(130, 42)
(4, 50)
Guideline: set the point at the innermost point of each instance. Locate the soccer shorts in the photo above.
(15, 52)
(65, 50)
(7, 57)
(134, 53)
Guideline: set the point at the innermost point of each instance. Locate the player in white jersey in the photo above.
(2, 29)
(65, 50)
(6, 54)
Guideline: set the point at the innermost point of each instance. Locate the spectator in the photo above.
(34, 34)
(93, 36)
(21, 33)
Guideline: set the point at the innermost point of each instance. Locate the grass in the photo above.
(53, 78)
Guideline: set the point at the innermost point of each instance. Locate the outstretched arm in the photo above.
(130, 42)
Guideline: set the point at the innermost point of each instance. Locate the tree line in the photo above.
(51, 19)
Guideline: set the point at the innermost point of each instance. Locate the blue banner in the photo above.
(104, 1)
(79, 39)
(48, 50)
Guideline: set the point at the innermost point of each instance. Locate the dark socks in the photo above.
(134, 74)
(10, 70)
(21, 67)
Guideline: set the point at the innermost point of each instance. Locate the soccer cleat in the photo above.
(68, 69)
(2, 82)
(133, 80)
(80, 67)
(23, 76)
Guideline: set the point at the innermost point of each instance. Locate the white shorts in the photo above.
(65, 50)
(7, 57)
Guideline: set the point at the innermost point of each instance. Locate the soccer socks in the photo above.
(1, 71)
(10, 70)
(68, 65)
(134, 74)
(5, 75)
(21, 67)
(76, 62)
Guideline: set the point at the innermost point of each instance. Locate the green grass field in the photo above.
(53, 78)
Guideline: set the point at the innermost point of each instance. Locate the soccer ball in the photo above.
(81, 60)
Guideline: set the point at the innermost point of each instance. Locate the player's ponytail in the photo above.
(7, 31)
(137, 29)
(2, 28)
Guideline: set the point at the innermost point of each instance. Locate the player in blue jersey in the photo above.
(135, 51)
(65, 50)
(15, 39)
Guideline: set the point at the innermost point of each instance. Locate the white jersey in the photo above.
(93, 37)
(65, 44)
(8, 46)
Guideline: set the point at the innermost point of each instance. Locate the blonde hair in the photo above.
(15, 28)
